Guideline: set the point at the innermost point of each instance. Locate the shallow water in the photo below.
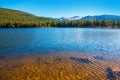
(59, 54)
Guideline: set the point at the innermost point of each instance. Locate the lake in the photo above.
(48, 40)
(67, 53)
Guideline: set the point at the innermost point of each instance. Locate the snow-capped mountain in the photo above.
(76, 18)
(69, 18)
(97, 17)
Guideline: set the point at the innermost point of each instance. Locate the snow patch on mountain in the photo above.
(69, 18)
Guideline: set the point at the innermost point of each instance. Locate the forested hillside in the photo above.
(15, 19)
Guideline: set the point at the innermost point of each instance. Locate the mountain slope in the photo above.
(18, 15)
(102, 17)
(15, 18)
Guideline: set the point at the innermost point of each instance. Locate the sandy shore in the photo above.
(64, 66)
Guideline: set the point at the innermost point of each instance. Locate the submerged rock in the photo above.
(80, 60)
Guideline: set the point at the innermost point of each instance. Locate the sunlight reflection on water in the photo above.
(39, 40)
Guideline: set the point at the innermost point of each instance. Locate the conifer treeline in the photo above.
(17, 19)
(91, 23)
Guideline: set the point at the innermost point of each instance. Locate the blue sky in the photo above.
(64, 8)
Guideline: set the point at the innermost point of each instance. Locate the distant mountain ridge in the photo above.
(68, 18)
(102, 17)
(98, 17)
